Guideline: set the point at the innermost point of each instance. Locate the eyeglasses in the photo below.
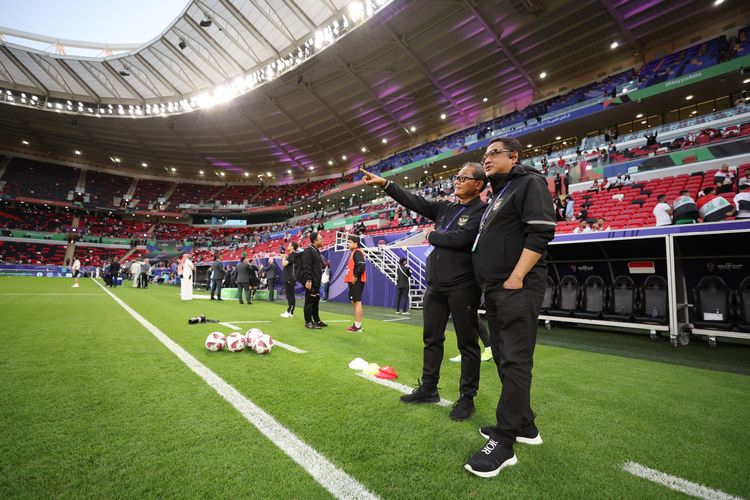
(463, 178)
(494, 152)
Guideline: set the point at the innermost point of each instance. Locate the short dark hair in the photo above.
(708, 190)
(661, 197)
(684, 192)
(295, 245)
(354, 238)
(313, 236)
(744, 187)
(511, 144)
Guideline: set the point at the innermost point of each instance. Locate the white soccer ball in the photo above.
(263, 344)
(216, 341)
(251, 336)
(236, 342)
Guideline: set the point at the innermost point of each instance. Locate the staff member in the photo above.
(289, 263)
(451, 285)
(404, 274)
(355, 278)
(242, 277)
(312, 272)
(269, 271)
(511, 270)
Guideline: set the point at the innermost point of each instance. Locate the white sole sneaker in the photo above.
(455, 359)
(511, 461)
(533, 441)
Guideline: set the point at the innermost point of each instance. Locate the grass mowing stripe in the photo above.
(399, 387)
(677, 483)
(333, 479)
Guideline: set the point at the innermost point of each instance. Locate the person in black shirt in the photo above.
(451, 285)
(511, 270)
(290, 262)
(312, 273)
(404, 273)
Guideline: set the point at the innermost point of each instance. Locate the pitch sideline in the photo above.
(330, 477)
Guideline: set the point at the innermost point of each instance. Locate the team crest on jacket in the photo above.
(497, 204)
(463, 220)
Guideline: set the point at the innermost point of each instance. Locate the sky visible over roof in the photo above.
(130, 21)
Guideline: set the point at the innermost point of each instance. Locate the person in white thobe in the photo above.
(186, 284)
(135, 272)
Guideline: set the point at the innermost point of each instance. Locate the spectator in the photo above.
(569, 207)
(745, 181)
(663, 212)
(601, 225)
(650, 139)
(616, 183)
(724, 179)
(583, 227)
(713, 208)
(742, 202)
(684, 209)
(558, 184)
(594, 186)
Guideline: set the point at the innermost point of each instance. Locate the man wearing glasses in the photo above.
(509, 263)
(451, 285)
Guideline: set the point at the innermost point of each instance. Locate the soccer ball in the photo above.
(251, 336)
(236, 342)
(216, 341)
(263, 344)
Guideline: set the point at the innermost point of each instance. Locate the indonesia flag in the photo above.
(641, 267)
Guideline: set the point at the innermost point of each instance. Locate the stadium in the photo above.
(234, 253)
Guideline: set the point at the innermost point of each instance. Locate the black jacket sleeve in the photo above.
(413, 202)
(538, 215)
(359, 265)
(307, 263)
(458, 238)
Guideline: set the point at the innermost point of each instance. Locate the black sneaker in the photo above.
(321, 324)
(421, 395)
(463, 408)
(528, 435)
(312, 326)
(491, 459)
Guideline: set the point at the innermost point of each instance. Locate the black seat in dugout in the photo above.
(652, 306)
(567, 297)
(713, 307)
(593, 298)
(621, 299)
(549, 295)
(742, 299)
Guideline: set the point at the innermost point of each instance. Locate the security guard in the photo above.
(509, 263)
(451, 285)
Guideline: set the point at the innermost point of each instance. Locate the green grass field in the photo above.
(93, 405)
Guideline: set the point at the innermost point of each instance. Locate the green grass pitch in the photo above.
(93, 405)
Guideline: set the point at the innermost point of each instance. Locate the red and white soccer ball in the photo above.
(263, 344)
(216, 341)
(252, 336)
(236, 342)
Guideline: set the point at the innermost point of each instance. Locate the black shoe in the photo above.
(213, 298)
(421, 395)
(491, 459)
(321, 324)
(312, 326)
(249, 303)
(241, 302)
(220, 299)
(528, 435)
(463, 408)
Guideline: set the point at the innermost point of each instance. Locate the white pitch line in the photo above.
(230, 325)
(330, 477)
(288, 347)
(246, 322)
(399, 387)
(394, 319)
(71, 294)
(677, 483)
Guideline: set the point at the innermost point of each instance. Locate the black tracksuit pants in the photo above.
(402, 297)
(291, 300)
(312, 301)
(513, 315)
(271, 289)
(462, 305)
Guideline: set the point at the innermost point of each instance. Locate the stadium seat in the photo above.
(566, 300)
(652, 304)
(549, 295)
(742, 301)
(712, 304)
(622, 297)
(593, 298)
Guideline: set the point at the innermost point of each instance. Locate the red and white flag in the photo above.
(641, 267)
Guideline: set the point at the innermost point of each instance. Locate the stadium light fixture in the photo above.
(77, 152)
(117, 160)
(528, 145)
(543, 75)
(643, 122)
(222, 174)
(558, 138)
(144, 164)
(356, 11)
(442, 116)
(330, 162)
(413, 128)
(289, 171)
(694, 112)
(688, 98)
(385, 141)
(173, 169)
(445, 166)
(485, 99)
(247, 174)
(343, 157)
(614, 45)
(364, 149)
(639, 115)
(718, 2)
(200, 172)
(311, 167)
(268, 174)
(25, 142)
(746, 80)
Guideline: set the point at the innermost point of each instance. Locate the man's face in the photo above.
(466, 186)
(289, 248)
(352, 245)
(319, 241)
(725, 168)
(497, 159)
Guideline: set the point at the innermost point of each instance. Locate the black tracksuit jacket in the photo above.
(523, 217)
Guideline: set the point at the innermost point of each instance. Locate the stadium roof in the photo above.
(318, 111)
